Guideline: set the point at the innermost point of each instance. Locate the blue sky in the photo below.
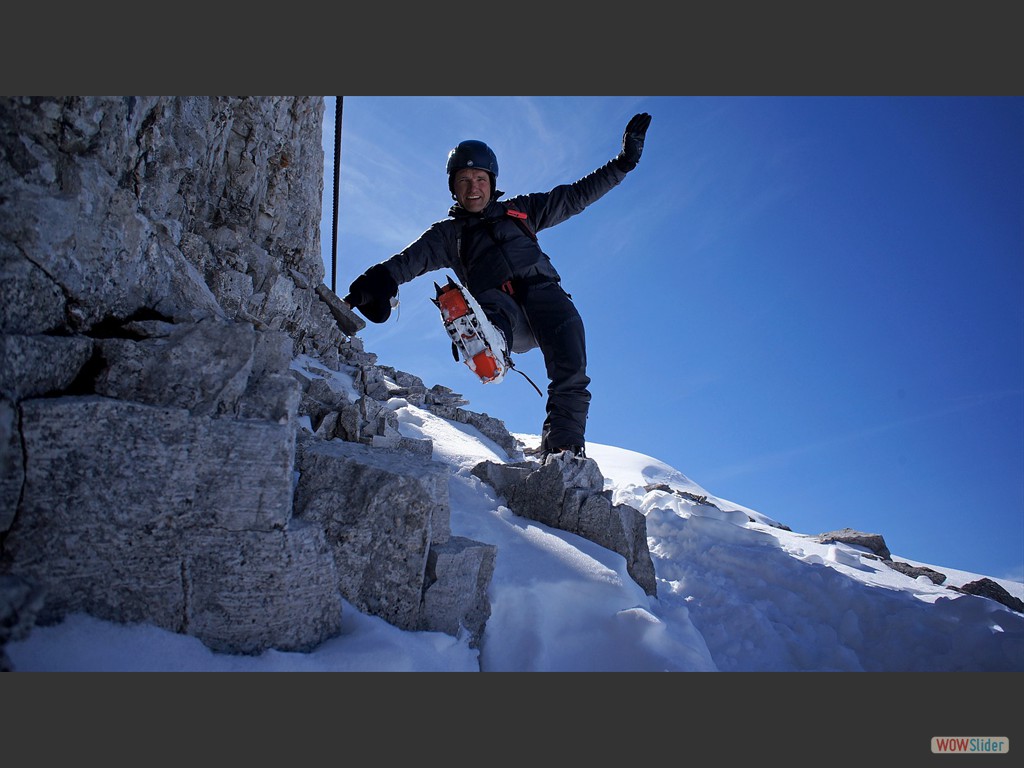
(810, 306)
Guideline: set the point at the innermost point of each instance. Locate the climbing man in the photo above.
(492, 248)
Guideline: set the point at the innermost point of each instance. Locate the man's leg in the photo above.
(560, 333)
(507, 316)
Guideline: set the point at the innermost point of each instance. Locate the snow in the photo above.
(737, 592)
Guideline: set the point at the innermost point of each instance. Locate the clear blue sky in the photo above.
(813, 307)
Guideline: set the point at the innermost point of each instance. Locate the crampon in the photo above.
(479, 344)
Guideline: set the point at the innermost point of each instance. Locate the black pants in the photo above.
(544, 316)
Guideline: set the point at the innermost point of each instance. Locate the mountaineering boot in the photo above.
(564, 445)
(570, 451)
(481, 346)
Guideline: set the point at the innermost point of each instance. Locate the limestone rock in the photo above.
(455, 598)
(160, 271)
(873, 542)
(567, 494)
(380, 512)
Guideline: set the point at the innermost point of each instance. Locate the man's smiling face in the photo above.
(472, 188)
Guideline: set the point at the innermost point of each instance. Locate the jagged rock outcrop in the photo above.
(162, 458)
(916, 571)
(381, 511)
(873, 542)
(993, 591)
(568, 494)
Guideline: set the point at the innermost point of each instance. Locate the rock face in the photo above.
(381, 512)
(162, 459)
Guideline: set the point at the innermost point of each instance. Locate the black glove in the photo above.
(371, 293)
(633, 142)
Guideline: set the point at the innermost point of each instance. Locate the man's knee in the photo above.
(505, 313)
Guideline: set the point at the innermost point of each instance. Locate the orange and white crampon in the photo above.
(479, 344)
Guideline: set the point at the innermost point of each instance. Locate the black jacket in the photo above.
(485, 249)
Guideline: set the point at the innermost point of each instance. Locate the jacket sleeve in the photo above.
(546, 209)
(434, 249)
